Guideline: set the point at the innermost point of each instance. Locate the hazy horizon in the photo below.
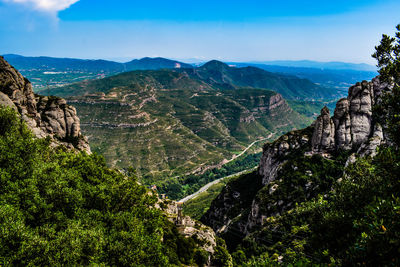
(203, 61)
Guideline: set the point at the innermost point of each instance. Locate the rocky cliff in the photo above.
(352, 123)
(350, 128)
(302, 164)
(45, 116)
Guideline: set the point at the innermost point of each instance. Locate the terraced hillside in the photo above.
(165, 123)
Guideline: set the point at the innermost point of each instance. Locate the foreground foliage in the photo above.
(59, 207)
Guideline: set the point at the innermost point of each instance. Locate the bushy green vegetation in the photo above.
(59, 207)
(355, 223)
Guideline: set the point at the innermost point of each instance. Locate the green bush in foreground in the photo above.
(59, 207)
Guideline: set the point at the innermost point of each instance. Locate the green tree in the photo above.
(388, 56)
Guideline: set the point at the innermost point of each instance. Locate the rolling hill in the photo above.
(291, 87)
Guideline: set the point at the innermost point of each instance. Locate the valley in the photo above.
(167, 123)
(173, 121)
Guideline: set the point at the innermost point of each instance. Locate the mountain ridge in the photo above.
(226, 78)
(336, 65)
(62, 64)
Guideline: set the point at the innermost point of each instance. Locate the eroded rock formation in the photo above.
(324, 132)
(352, 124)
(45, 116)
(189, 227)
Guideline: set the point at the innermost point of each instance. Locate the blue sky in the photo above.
(341, 30)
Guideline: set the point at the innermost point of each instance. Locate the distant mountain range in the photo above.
(159, 63)
(337, 78)
(72, 64)
(333, 65)
(53, 72)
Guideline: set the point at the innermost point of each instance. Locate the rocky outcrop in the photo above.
(274, 153)
(341, 119)
(45, 116)
(187, 226)
(323, 137)
(276, 101)
(351, 125)
(6, 101)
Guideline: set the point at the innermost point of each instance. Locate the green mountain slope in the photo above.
(291, 87)
(165, 123)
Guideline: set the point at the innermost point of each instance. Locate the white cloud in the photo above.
(52, 6)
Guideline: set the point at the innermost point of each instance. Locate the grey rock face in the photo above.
(271, 159)
(361, 98)
(369, 147)
(45, 116)
(276, 101)
(351, 125)
(341, 119)
(6, 101)
(324, 132)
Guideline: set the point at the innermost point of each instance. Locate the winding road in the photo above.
(204, 188)
(248, 147)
